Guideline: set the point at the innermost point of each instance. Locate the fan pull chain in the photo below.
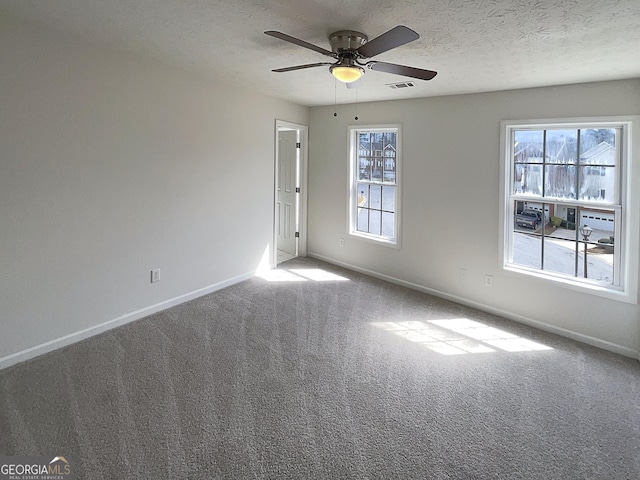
(356, 117)
(335, 96)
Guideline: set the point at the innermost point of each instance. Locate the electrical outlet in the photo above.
(342, 242)
(488, 280)
(155, 275)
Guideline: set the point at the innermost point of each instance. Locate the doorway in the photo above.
(289, 229)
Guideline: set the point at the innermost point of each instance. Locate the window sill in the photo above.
(610, 292)
(386, 242)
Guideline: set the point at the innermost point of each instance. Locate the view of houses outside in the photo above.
(563, 253)
(376, 184)
(590, 176)
(565, 165)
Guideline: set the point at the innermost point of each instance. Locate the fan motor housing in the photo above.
(346, 41)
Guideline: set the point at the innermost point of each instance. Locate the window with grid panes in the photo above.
(374, 186)
(570, 178)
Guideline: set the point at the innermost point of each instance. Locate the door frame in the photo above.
(301, 213)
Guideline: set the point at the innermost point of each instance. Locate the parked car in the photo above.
(528, 218)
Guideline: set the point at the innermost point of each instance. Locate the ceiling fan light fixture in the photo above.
(349, 47)
(346, 73)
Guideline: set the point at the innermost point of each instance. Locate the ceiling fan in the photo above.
(348, 48)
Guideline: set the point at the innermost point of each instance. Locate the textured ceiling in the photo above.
(475, 45)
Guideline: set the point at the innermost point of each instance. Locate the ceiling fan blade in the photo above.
(297, 41)
(300, 67)
(412, 72)
(393, 38)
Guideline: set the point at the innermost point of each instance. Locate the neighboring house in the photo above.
(599, 174)
(377, 161)
(596, 177)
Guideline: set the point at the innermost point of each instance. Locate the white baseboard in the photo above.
(596, 342)
(60, 342)
(57, 343)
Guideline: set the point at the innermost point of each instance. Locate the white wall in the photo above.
(111, 165)
(450, 209)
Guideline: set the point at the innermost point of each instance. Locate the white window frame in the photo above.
(353, 132)
(627, 228)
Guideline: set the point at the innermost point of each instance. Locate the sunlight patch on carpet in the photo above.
(459, 336)
(300, 275)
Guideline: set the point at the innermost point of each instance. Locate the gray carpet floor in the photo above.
(320, 372)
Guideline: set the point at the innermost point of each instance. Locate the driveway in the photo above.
(560, 253)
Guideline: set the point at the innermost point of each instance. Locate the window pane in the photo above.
(528, 215)
(363, 220)
(602, 222)
(389, 157)
(527, 246)
(376, 139)
(390, 140)
(375, 222)
(560, 252)
(377, 169)
(528, 179)
(364, 168)
(561, 146)
(389, 167)
(363, 194)
(364, 143)
(527, 249)
(560, 244)
(560, 181)
(527, 146)
(564, 216)
(600, 244)
(388, 226)
(597, 183)
(597, 146)
(389, 198)
(389, 176)
(375, 200)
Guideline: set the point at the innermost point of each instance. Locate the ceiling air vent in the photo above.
(401, 85)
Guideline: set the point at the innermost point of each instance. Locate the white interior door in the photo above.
(287, 184)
